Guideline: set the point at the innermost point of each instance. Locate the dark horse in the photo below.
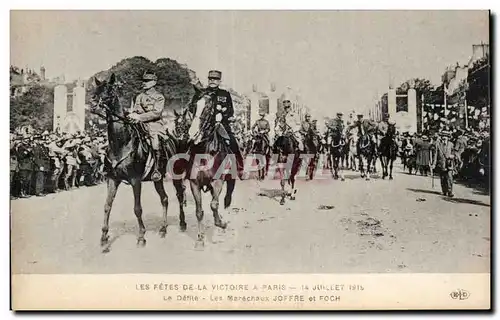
(260, 146)
(286, 146)
(213, 154)
(337, 153)
(366, 152)
(127, 159)
(388, 151)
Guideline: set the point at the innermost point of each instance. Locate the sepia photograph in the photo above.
(250, 160)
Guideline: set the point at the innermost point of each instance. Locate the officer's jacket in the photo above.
(149, 105)
(262, 125)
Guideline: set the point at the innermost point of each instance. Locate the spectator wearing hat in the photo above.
(443, 162)
(147, 108)
(423, 152)
(25, 157)
(41, 167)
(459, 147)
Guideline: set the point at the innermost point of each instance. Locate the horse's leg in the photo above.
(112, 189)
(195, 189)
(230, 184)
(283, 184)
(181, 197)
(160, 189)
(214, 204)
(361, 167)
(137, 188)
(368, 168)
(390, 168)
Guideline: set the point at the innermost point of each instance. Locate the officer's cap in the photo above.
(308, 115)
(425, 138)
(340, 113)
(392, 122)
(262, 113)
(445, 134)
(359, 114)
(214, 74)
(149, 77)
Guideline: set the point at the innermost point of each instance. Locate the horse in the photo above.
(366, 151)
(337, 148)
(213, 144)
(285, 146)
(388, 152)
(260, 145)
(128, 159)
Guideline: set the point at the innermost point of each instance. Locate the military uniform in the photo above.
(223, 112)
(148, 108)
(262, 126)
(288, 123)
(41, 167)
(25, 168)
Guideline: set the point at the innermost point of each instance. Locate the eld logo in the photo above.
(460, 294)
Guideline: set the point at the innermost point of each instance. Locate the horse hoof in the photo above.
(335, 178)
(292, 198)
(199, 245)
(383, 177)
(183, 226)
(367, 179)
(391, 178)
(106, 249)
(343, 179)
(282, 201)
(141, 243)
(104, 241)
(220, 224)
(185, 203)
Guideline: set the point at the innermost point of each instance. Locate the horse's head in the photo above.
(105, 94)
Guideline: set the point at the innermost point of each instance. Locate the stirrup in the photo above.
(156, 176)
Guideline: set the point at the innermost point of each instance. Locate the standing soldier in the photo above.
(148, 109)
(25, 167)
(40, 167)
(443, 162)
(261, 126)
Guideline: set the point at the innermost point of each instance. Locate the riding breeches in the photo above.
(155, 140)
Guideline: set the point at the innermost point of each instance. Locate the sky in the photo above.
(336, 60)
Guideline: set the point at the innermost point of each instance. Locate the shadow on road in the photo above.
(270, 193)
(424, 191)
(468, 201)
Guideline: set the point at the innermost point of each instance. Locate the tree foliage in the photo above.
(34, 107)
(173, 80)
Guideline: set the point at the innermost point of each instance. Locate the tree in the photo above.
(173, 79)
(35, 107)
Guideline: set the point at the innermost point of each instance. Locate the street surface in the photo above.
(355, 226)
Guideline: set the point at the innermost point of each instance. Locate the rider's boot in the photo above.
(156, 175)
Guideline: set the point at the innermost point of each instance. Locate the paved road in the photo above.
(333, 227)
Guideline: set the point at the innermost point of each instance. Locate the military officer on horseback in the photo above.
(147, 108)
(262, 127)
(288, 123)
(224, 112)
(364, 127)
